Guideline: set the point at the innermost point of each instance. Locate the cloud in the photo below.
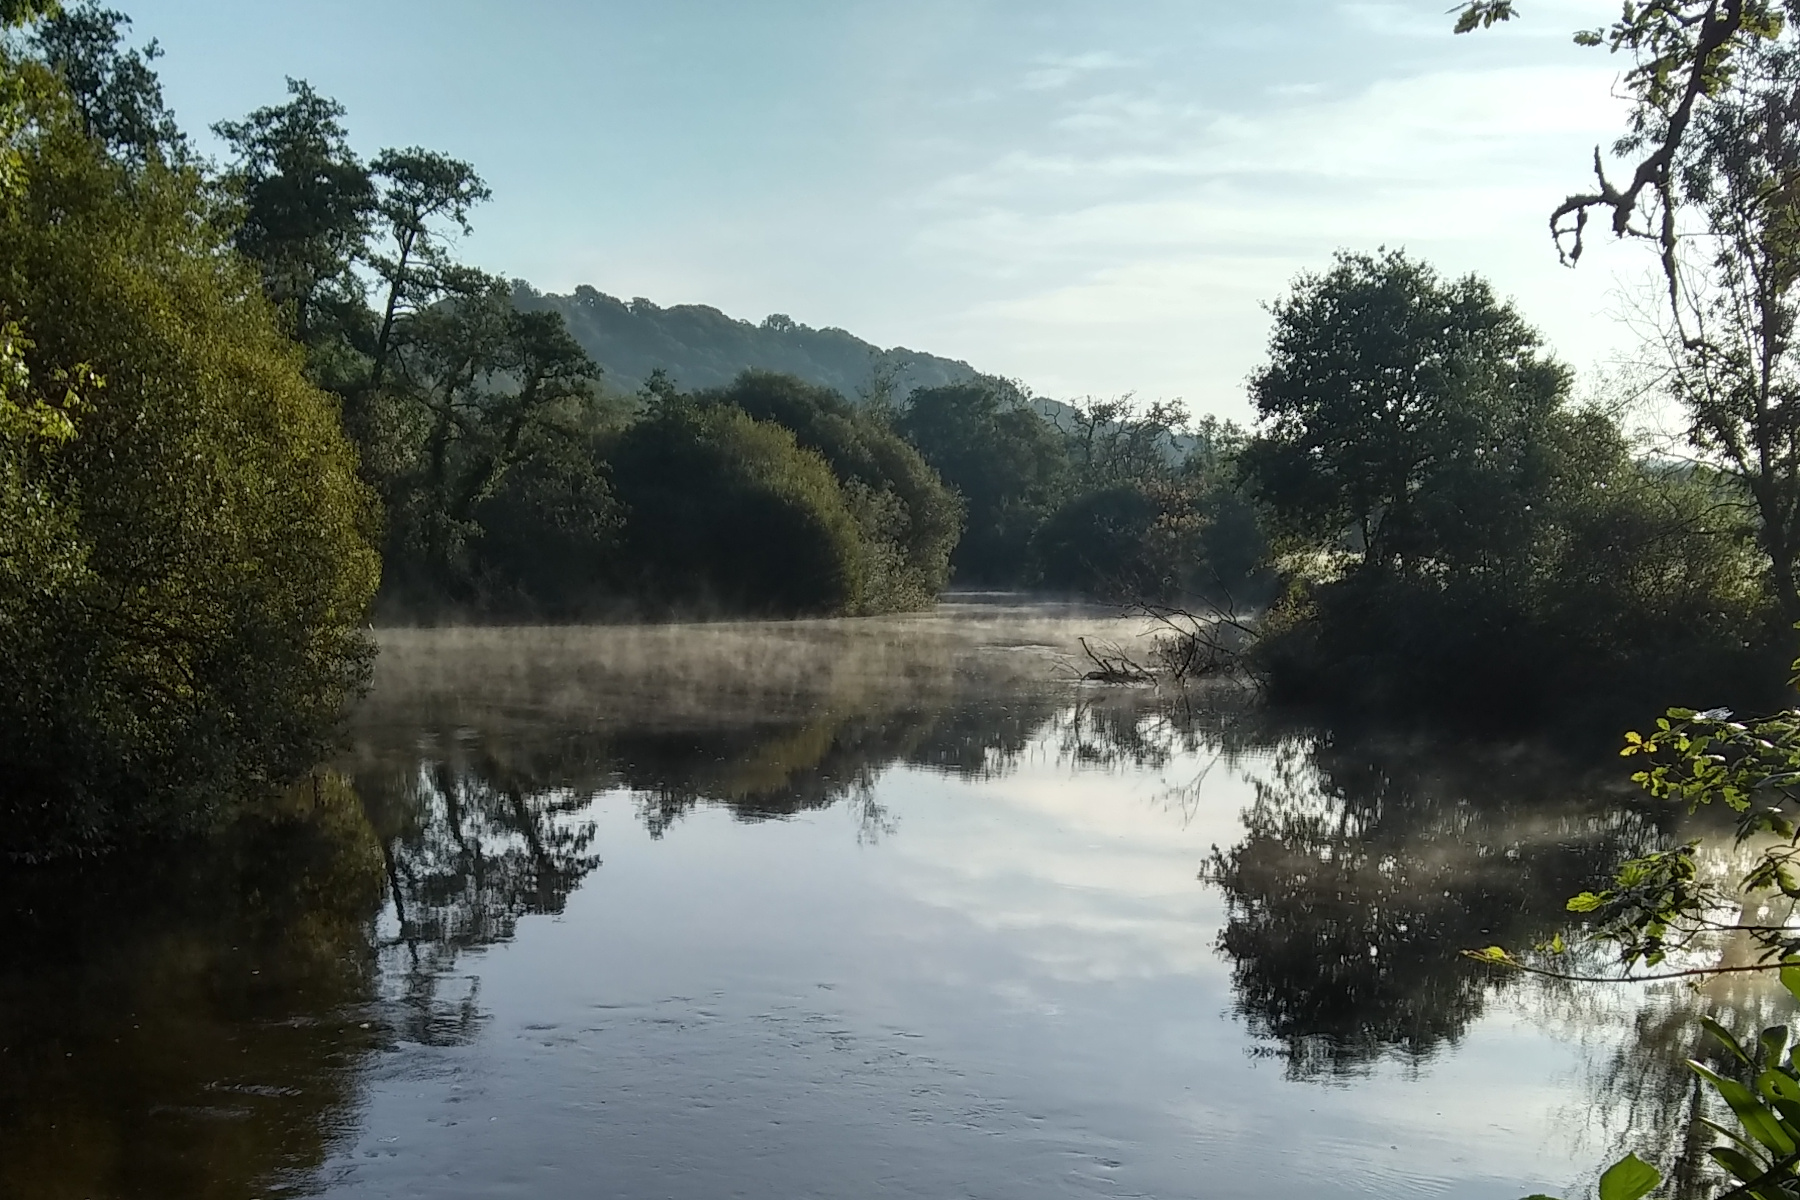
(1053, 71)
(1132, 215)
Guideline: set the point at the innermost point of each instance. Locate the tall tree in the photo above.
(482, 376)
(1682, 52)
(199, 626)
(1390, 397)
(1009, 464)
(1734, 361)
(307, 203)
(115, 89)
(417, 191)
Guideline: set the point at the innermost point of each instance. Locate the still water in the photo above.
(881, 908)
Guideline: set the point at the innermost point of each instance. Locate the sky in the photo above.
(1094, 198)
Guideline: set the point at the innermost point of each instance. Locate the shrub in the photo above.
(190, 621)
(727, 513)
(908, 519)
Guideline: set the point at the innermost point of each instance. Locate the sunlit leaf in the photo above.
(1629, 1179)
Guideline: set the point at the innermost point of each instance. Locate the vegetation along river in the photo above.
(890, 907)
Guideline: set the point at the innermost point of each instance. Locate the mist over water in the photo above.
(881, 907)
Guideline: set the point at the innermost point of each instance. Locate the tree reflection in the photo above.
(1365, 868)
(190, 1023)
(1367, 863)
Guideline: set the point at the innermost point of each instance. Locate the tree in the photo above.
(1683, 53)
(418, 188)
(910, 521)
(307, 203)
(482, 376)
(1124, 543)
(724, 512)
(188, 623)
(1459, 534)
(1388, 392)
(1007, 462)
(1110, 444)
(115, 90)
(1733, 359)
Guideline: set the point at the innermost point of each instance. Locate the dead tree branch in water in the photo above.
(1113, 665)
(1198, 645)
(1185, 645)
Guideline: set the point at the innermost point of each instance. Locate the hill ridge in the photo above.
(700, 346)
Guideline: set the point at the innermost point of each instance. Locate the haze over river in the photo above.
(878, 908)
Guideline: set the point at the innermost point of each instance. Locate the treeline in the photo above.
(245, 406)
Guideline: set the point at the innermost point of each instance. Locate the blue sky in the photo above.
(1092, 197)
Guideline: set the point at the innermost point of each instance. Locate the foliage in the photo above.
(1118, 543)
(1458, 534)
(909, 520)
(1730, 346)
(480, 377)
(1761, 1156)
(1154, 512)
(115, 90)
(446, 385)
(548, 535)
(724, 512)
(417, 188)
(1712, 86)
(306, 201)
(1006, 462)
(1392, 400)
(1683, 53)
(188, 576)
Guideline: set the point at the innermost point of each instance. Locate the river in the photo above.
(883, 908)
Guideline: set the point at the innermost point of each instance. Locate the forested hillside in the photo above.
(700, 347)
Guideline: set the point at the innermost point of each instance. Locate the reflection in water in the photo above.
(191, 1025)
(1364, 869)
(204, 1024)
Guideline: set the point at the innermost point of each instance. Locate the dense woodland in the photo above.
(252, 404)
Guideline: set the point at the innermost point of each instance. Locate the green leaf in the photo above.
(1790, 1113)
(1774, 1044)
(1724, 1035)
(1585, 902)
(1737, 1162)
(1756, 1119)
(1629, 1179)
(1729, 1135)
(1790, 979)
(1778, 1085)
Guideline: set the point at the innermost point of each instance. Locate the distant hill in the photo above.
(701, 347)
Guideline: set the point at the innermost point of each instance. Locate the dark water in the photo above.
(884, 908)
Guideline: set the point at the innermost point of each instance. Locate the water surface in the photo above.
(841, 908)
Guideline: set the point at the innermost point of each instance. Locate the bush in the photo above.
(1642, 590)
(1119, 543)
(547, 537)
(726, 513)
(909, 520)
(189, 622)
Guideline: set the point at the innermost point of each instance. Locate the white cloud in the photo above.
(1130, 217)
